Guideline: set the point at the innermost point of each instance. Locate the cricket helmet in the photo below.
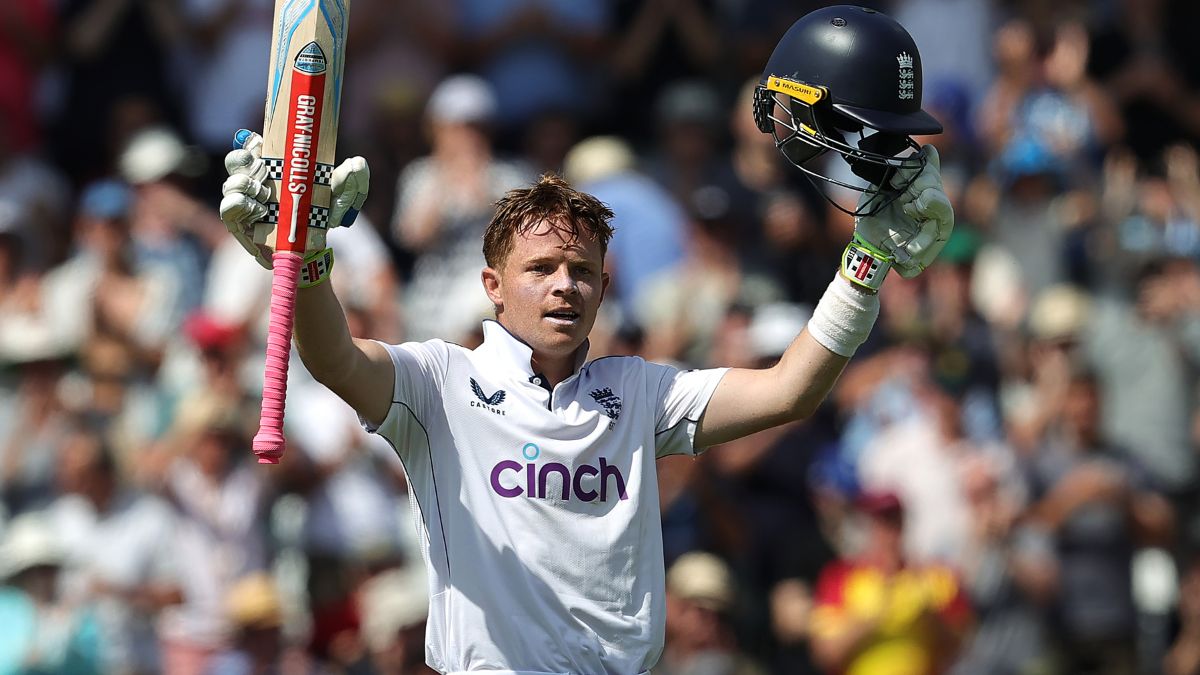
(846, 79)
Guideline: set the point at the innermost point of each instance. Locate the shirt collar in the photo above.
(514, 352)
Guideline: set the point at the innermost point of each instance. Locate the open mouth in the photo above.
(563, 316)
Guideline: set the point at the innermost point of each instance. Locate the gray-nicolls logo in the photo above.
(906, 89)
(610, 402)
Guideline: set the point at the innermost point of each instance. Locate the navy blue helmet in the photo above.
(846, 79)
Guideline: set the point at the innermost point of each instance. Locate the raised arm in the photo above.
(907, 234)
(359, 371)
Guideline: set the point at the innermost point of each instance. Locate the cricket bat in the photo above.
(300, 123)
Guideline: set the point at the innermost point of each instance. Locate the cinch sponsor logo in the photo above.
(586, 483)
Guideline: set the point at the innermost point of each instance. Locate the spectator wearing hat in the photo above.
(1139, 354)
(443, 203)
(394, 606)
(700, 604)
(689, 118)
(172, 232)
(878, 614)
(648, 223)
(258, 644)
(42, 633)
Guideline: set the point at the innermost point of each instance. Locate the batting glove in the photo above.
(908, 233)
(247, 192)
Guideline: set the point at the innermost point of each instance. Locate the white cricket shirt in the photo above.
(539, 513)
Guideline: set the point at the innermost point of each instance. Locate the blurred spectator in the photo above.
(258, 644)
(661, 41)
(173, 232)
(700, 601)
(538, 55)
(682, 307)
(920, 460)
(777, 211)
(34, 203)
(219, 536)
(228, 64)
(1047, 122)
(878, 613)
(394, 608)
(98, 113)
(791, 606)
(1014, 53)
(687, 116)
(100, 288)
(1146, 214)
(28, 28)
(398, 52)
(444, 202)
(1009, 574)
(1184, 657)
(116, 559)
(354, 516)
(648, 223)
(42, 633)
(1094, 505)
(33, 425)
(766, 474)
(1146, 56)
(1140, 355)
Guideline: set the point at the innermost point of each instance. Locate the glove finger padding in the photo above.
(913, 228)
(245, 197)
(248, 190)
(244, 184)
(240, 213)
(350, 183)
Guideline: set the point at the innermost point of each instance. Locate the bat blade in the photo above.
(299, 143)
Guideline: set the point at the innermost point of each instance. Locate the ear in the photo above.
(491, 286)
(604, 281)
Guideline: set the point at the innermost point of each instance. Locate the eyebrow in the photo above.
(573, 260)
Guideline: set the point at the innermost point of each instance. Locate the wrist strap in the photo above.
(865, 265)
(316, 268)
(844, 317)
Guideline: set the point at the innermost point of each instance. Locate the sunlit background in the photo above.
(1002, 482)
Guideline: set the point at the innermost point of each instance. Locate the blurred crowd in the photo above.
(1004, 480)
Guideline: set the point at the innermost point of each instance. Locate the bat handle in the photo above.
(269, 443)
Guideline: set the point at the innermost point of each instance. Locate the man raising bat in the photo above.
(533, 467)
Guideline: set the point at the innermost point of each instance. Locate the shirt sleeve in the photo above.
(681, 398)
(420, 374)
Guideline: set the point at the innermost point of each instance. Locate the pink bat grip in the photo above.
(269, 444)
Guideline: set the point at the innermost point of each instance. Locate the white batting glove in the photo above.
(247, 192)
(908, 233)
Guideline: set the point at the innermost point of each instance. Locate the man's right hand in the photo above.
(247, 193)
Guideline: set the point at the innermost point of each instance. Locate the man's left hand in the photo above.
(912, 229)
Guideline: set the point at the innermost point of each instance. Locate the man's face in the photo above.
(548, 290)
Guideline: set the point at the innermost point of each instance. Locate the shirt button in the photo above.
(537, 380)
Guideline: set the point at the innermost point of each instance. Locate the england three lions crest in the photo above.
(610, 402)
(907, 79)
